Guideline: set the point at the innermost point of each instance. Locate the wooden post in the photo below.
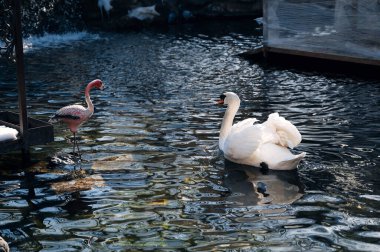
(20, 74)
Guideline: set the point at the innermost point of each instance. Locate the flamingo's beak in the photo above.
(102, 87)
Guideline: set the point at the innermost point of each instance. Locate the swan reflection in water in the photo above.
(257, 186)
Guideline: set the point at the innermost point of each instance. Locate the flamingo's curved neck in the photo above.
(90, 106)
(227, 122)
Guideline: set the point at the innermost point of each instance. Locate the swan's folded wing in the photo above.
(243, 124)
(240, 144)
(288, 134)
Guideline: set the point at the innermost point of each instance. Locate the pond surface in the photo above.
(152, 177)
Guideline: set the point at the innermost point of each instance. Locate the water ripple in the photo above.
(152, 177)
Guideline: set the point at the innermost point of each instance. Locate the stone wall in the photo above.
(170, 11)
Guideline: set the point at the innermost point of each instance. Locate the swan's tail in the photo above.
(292, 163)
(288, 134)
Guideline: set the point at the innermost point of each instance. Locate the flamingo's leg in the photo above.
(74, 143)
(78, 148)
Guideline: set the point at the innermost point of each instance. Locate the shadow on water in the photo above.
(255, 186)
(42, 191)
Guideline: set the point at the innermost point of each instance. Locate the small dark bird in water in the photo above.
(262, 188)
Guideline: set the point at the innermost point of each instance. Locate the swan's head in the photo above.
(228, 98)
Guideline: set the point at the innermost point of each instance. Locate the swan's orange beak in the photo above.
(220, 101)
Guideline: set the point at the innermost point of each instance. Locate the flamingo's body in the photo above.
(251, 143)
(75, 115)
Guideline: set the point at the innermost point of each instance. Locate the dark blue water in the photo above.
(152, 177)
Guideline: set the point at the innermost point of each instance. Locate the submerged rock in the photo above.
(79, 183)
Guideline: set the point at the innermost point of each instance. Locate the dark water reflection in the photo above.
(153, 177)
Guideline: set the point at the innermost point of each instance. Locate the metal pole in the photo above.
(20, 74)
(265, 27)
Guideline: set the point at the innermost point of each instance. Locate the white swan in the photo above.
(106, 5)
(143, 13)
(253, 144)
(7, 133)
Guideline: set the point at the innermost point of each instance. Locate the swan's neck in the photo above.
(227, 122)
(90, 106)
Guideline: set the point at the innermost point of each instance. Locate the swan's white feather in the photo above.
(243, 124)
(287, 133)
(245, 138)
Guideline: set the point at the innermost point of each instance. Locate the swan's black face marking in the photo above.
(221, 99)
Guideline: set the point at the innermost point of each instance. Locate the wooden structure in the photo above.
(37, 132)
(31, 131)
(338, 30)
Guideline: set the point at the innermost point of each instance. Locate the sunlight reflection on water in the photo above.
(153, 177)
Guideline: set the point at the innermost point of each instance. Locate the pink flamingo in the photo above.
(75, 115)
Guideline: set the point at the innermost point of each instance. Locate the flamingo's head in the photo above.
(97, 84)
(227, 98)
